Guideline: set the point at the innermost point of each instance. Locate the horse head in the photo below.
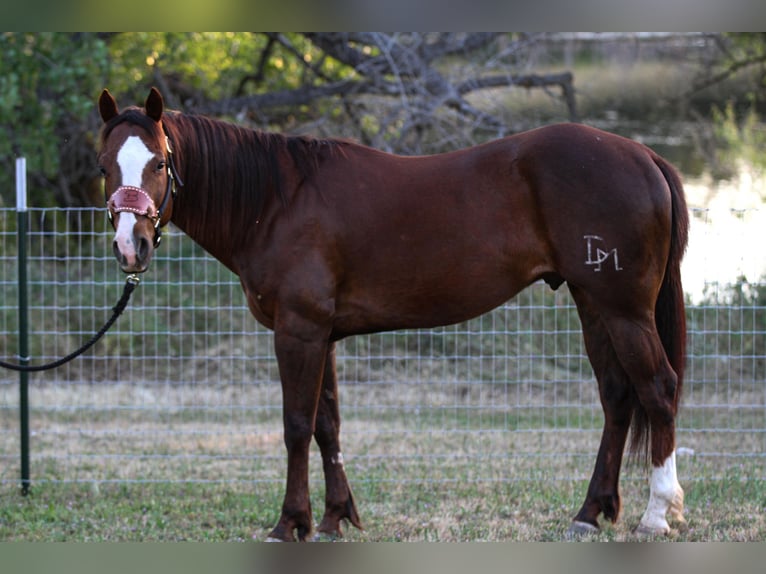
(139, 177)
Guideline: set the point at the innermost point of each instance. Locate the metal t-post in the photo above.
(21, 214)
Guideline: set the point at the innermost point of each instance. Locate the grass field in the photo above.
(175, 472)
(728, 509)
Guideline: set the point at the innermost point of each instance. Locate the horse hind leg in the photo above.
(339, 500)
(617, 400)
(654, 381)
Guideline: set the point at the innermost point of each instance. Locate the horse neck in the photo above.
(231, 178)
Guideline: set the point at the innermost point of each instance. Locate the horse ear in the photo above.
(107, 106)
(154, 105)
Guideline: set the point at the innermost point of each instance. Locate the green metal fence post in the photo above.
(21, 214)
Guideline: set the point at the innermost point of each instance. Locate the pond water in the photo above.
(728, 232)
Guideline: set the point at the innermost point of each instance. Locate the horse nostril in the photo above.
(143, 249)
(117, 253)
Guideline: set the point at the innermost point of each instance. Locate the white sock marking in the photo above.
(665, 493)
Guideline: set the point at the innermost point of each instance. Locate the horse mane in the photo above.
(229, 171)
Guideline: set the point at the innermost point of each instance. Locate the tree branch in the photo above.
(725, 74)
(257, 78)
(563, 80)
(406, 83)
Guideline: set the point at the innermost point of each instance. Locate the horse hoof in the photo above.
(272, 539)
(578, 530)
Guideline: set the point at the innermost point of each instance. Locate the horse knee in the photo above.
(298, 431)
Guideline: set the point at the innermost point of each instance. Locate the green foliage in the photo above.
(739, 137)
(212, 64)
(747, 49)
(47, 83)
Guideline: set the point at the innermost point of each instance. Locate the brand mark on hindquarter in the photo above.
(596, 255)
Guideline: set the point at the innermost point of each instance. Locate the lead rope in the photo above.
(130, 284)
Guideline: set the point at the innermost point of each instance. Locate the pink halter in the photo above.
(132, 199)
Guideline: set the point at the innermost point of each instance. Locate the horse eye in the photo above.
(160, 166)
(102, 171)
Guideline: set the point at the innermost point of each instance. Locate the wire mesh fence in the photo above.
(185, 386)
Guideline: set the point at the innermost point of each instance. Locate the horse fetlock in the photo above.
(662, 503)
(672, 494)
(676, 506)
(329, 528)
(610, 507)
(289, 526)
(351, 513)
(280, 535)
(337, 513)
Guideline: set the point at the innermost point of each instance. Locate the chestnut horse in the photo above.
(331, 238)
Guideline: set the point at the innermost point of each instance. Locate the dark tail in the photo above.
(669, 314)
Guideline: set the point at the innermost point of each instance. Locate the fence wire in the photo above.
(185, 387)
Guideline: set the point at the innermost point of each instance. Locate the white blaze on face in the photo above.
(132, 159)
(665, 495)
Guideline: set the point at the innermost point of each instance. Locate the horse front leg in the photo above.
(339, 500)
(301, 352)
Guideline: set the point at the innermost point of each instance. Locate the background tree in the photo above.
(737, 132)
(400, 92)
(47, 82)
(736, 53)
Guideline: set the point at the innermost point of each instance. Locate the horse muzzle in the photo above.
(136, 227)
(133, 244)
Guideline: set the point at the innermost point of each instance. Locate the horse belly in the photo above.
(432, 292)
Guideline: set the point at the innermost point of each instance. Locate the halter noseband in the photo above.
(135, 200)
